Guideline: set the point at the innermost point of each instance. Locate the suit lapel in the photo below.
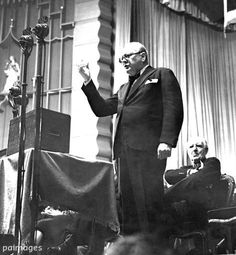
(147, 72)
(123, 93)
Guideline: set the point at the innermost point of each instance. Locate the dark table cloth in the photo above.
(86, 187)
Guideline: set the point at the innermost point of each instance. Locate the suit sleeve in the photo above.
(100, 106)
(172, 108)
(175, 175)
(209, 174)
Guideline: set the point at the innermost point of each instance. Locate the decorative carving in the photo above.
(12, 72)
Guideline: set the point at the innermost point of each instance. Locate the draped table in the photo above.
(80, 185)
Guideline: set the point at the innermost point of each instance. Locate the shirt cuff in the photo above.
(87, 82)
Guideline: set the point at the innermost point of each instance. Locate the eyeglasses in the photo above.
(126, 56)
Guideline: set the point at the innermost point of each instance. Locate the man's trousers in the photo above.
(141, 187)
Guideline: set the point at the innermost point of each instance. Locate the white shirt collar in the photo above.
(143, 69)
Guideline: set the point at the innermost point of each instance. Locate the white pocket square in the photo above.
(151, 81)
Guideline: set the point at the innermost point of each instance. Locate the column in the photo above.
(93, 41)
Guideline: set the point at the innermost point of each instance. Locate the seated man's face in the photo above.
(196, 151)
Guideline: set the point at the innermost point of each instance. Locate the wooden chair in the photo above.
(222, 197)
(222, 221)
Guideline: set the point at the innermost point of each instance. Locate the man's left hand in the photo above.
(163, 151)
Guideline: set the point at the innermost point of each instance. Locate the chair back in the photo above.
(223, 191)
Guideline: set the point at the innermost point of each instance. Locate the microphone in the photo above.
(41, 30)
(14, 96)
(26, 41)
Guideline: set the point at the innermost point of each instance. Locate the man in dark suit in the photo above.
(149, 118)
(191, 190)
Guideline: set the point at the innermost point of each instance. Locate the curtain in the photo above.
(212, 11)
(122, 36)
(211, 96)
(203, 62)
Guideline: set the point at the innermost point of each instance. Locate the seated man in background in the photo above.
(191, 192)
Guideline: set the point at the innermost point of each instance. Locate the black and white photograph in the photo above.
(117, 127)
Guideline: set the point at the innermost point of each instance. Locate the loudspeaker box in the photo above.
(54, 132)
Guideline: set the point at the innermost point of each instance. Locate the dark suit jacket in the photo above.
(152, 113)
(192, 188)
(209, 174)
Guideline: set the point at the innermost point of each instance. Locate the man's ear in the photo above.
(144, 56)
(206, 150)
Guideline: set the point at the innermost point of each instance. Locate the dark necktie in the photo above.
(131, 81)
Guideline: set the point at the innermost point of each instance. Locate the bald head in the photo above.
(133, 47)
(133, 57)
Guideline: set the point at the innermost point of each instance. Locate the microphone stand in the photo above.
(26, 43)
(40, 31)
